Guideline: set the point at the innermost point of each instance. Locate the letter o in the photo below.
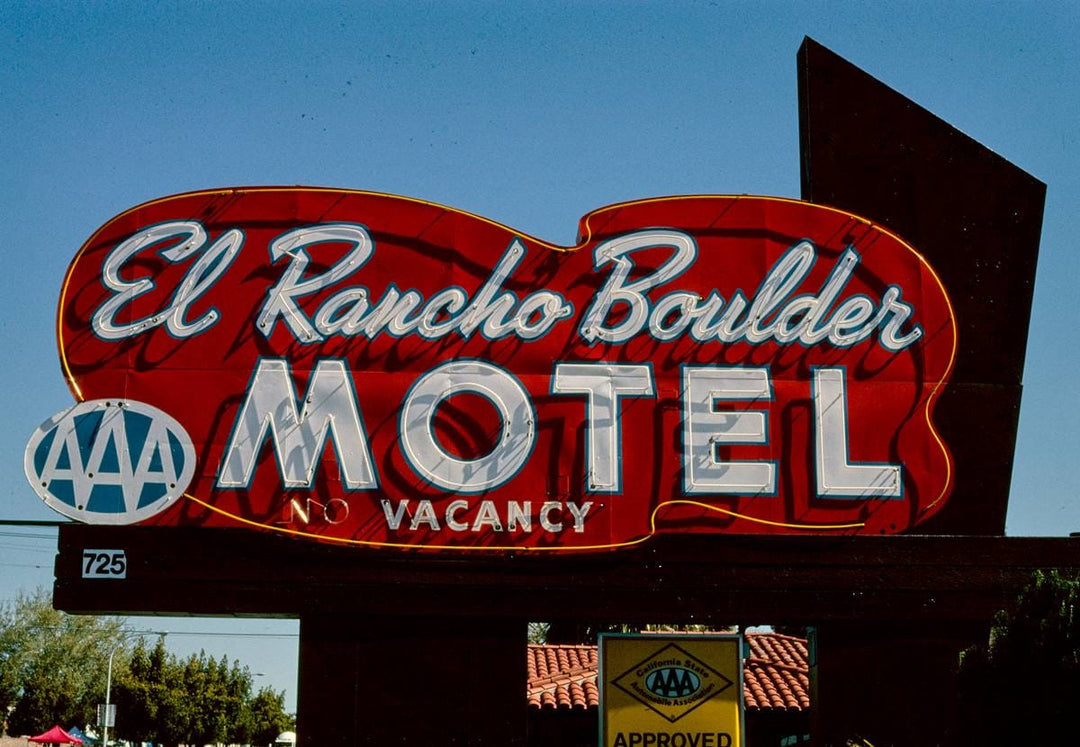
(335, 511)
(433, 463)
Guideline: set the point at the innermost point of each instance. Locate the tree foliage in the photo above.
(574, 632)
(1022, 686)
(52, 665)
(268, 717)
(53, 671)
(197, 700)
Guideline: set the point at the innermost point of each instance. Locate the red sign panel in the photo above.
(370, 369)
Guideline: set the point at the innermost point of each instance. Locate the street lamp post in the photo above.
(108, 682)
(108, 690)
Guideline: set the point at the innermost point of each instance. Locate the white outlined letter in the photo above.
(704, 429)
(299, 435)
(603, 384)
(432, 462)
(836, 476)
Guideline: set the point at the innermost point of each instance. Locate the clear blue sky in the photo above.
(527, 113)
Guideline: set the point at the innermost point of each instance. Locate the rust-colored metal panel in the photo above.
(868, 149)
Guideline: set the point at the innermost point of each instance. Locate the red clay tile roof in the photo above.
(775, 675)
(562, 676)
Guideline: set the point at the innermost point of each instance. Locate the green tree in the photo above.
(161, 699)
(1023, 684)
(197, 700)
(577, 631)
(53, 669)
(220, 692)
(237, 704)
(53, 665)
(267, 717)
(149, 698)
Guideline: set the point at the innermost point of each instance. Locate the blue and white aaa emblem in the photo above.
(110, 461)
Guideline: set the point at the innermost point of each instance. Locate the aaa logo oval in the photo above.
(110, 461)
(672, 682)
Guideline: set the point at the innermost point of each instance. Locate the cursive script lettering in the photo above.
(770, 314)
(494, 312)
(631, 300)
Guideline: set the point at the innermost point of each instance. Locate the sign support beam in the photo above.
(379, 680)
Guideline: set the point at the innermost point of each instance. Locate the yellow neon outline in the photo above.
(586, 238)
(525, 548)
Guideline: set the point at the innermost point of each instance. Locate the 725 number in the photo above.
(104, 564)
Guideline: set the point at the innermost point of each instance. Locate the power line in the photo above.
(21, 535)
(33, 523)
(24, 548)
(24, 565)
(172, 633)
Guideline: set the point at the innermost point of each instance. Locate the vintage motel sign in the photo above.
(382, 371)
(676, 691)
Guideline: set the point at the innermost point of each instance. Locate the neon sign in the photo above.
(370, 369)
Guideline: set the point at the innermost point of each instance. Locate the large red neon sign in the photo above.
(370, 369)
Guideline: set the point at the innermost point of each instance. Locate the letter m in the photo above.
(299, 434)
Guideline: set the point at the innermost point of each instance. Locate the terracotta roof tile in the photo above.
(775, 675)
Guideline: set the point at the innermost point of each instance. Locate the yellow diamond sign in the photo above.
(671, 690)
(672, 682)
